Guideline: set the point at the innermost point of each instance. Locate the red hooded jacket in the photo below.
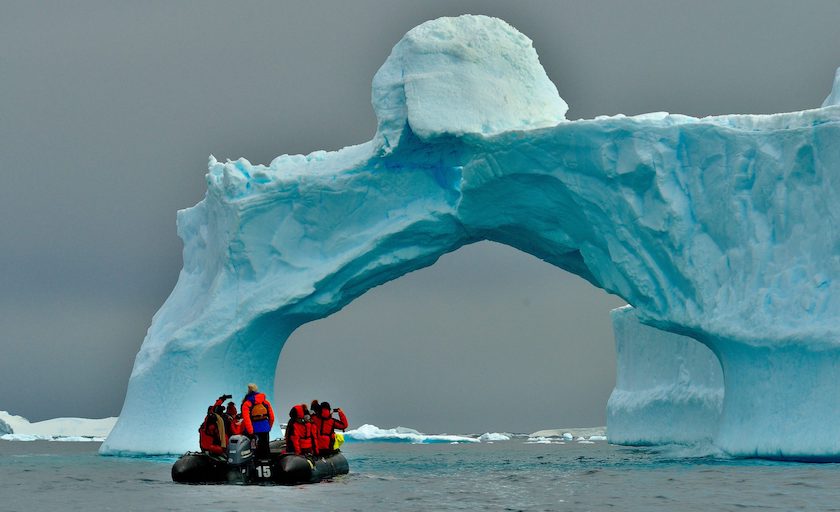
(300, 437)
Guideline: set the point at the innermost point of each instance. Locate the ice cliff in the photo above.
(722, 228)
(669, 388)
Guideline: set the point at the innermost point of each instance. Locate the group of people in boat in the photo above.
(311, 430)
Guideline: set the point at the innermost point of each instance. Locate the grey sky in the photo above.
(108, 111)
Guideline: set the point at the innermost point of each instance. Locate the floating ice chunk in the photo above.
(539, 440)
(493, 436)
(597, 438)
(402, 435)
(21, 437)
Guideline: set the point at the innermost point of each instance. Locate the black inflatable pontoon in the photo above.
(241, 467)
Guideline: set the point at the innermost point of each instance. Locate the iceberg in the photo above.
(723, 229)
(492, 437)
(18, 428)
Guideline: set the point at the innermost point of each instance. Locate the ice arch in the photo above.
(724, 228)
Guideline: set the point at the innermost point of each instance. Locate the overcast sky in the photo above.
(109, 110)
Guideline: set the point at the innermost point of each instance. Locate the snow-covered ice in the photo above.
(489, 437)
(56, 429)
(403, 435)
(720, 228)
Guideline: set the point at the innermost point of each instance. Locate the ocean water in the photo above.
(509, 475)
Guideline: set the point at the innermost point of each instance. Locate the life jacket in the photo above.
(259, 412)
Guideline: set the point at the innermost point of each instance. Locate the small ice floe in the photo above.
(574, 434)
(372, 433)
(35, 437)
(489, 437)
(543, 440)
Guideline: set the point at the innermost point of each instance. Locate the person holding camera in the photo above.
(325, 426)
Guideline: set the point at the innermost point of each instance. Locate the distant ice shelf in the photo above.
(723, 229)
(18, 428)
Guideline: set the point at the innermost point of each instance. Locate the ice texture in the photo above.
(5, 428)
(722, 228)
(669, 388)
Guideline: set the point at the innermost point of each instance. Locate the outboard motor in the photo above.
(240, 459)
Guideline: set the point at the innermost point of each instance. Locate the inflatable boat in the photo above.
(242, 467)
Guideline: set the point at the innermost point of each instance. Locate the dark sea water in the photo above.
(508, 475)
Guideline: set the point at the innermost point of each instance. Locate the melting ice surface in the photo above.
(724, 229)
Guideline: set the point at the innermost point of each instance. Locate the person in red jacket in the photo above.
(257, 419)
(236, 426)
(300, 438)
(214, 432)
(325, 426)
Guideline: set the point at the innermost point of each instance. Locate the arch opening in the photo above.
(487, 338)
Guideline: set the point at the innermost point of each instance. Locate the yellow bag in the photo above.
(339, 440)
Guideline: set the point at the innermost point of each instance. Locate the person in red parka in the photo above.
(214, 432)
(257, 419)
(236, 426)
(300, 438)
(325, 426)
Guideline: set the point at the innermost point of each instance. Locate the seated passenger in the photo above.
(236, 426)
(299, 435)
(325, 426)
(212, 436)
